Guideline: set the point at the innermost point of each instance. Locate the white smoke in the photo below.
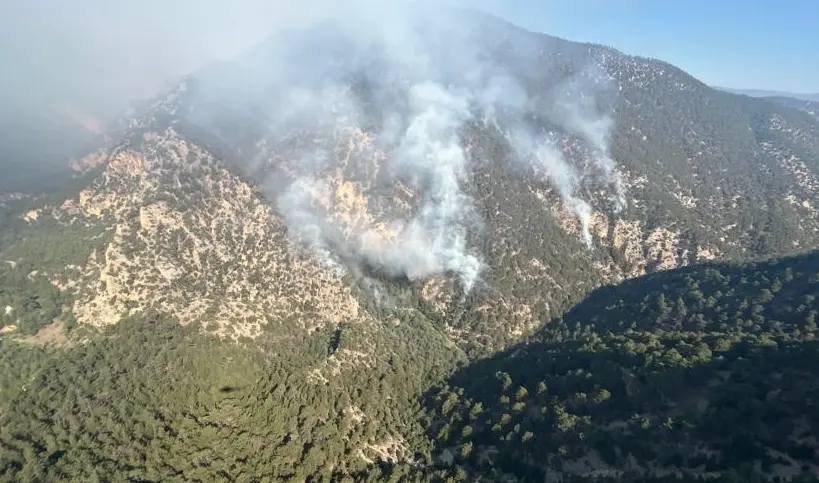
(423, 91)
(567, 181)
(430, 154)
(550, 165)
(296, 203)
(578, 107)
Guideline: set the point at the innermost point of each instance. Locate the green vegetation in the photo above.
(148, 400)
(708, 370)
(33, 261)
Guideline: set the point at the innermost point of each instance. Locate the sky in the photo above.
(86, 59)
(748, 44)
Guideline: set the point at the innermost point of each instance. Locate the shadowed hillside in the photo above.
(703, 371)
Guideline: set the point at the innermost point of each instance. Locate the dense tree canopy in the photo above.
(707, 371)
(702, 373)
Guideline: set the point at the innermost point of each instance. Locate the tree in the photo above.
(476, 411)
(602, 396)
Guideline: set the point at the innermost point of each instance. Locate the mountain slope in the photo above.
(259, 273)
(244, 187)
(153, 401)
(707, 371)
(693, 372)
(214, 247)
(811, 107)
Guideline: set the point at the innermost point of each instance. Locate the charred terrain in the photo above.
(448, 250)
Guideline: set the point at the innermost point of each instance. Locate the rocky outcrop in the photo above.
(198, 243)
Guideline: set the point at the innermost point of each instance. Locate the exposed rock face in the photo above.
(195, 241)
(194, 197)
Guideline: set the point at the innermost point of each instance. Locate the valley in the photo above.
(455, 251)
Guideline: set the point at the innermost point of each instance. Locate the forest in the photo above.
(699, 373)
(566, 363)
(703, 372)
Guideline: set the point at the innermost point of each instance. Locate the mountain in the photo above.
(212, 187)
(258, 274)
(811, 107)
(805, 102)
(767, 93)
(701, 372)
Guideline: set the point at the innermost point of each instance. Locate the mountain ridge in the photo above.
(286, 274)
(647, 235)
(772, 93)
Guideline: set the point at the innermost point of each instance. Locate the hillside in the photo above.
(705, 371)
(809, 106)
(271, 270)
(150, 400)
(592, 168)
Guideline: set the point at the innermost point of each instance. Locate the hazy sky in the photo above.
(96, 54)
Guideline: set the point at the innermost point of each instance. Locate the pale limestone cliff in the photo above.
(222, 259)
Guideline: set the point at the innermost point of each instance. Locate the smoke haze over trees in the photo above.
(394, 242)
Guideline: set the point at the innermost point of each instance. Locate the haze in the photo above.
(97, 55)
(69, 67)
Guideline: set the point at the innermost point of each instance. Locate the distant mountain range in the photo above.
(765, 93)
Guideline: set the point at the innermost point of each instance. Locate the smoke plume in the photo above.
(410, 77)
